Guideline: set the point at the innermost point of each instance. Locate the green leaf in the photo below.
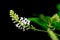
(47, 19)
(44, 18)
(39, 22)
(58, 14)
(56, 25)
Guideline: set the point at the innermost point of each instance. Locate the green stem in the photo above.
(33, 28)
(49, 31)
(40, 30)
(52, 34)
(57, 34)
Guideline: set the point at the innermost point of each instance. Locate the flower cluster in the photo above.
(24, 23)
(21, 23)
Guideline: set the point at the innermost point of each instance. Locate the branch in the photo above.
(52, 34)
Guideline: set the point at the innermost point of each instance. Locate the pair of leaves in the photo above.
(43, 22)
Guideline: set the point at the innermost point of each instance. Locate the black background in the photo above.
(25, 8)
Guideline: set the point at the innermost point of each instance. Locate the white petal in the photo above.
(19, 26)
(28, 23)
(21, 18)
(16, 25)
(24, 22)
(23, 29)
(25, 19)
(28, 20)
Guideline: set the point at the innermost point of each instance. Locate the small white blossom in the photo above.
(21, 18)
(28, 22)
(23, 29)
(24, 21)
(16, 25)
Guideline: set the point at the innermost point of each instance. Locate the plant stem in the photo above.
(33, 28)
(57, 34)
(52, 34)
(49, 31)
(40, 30)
